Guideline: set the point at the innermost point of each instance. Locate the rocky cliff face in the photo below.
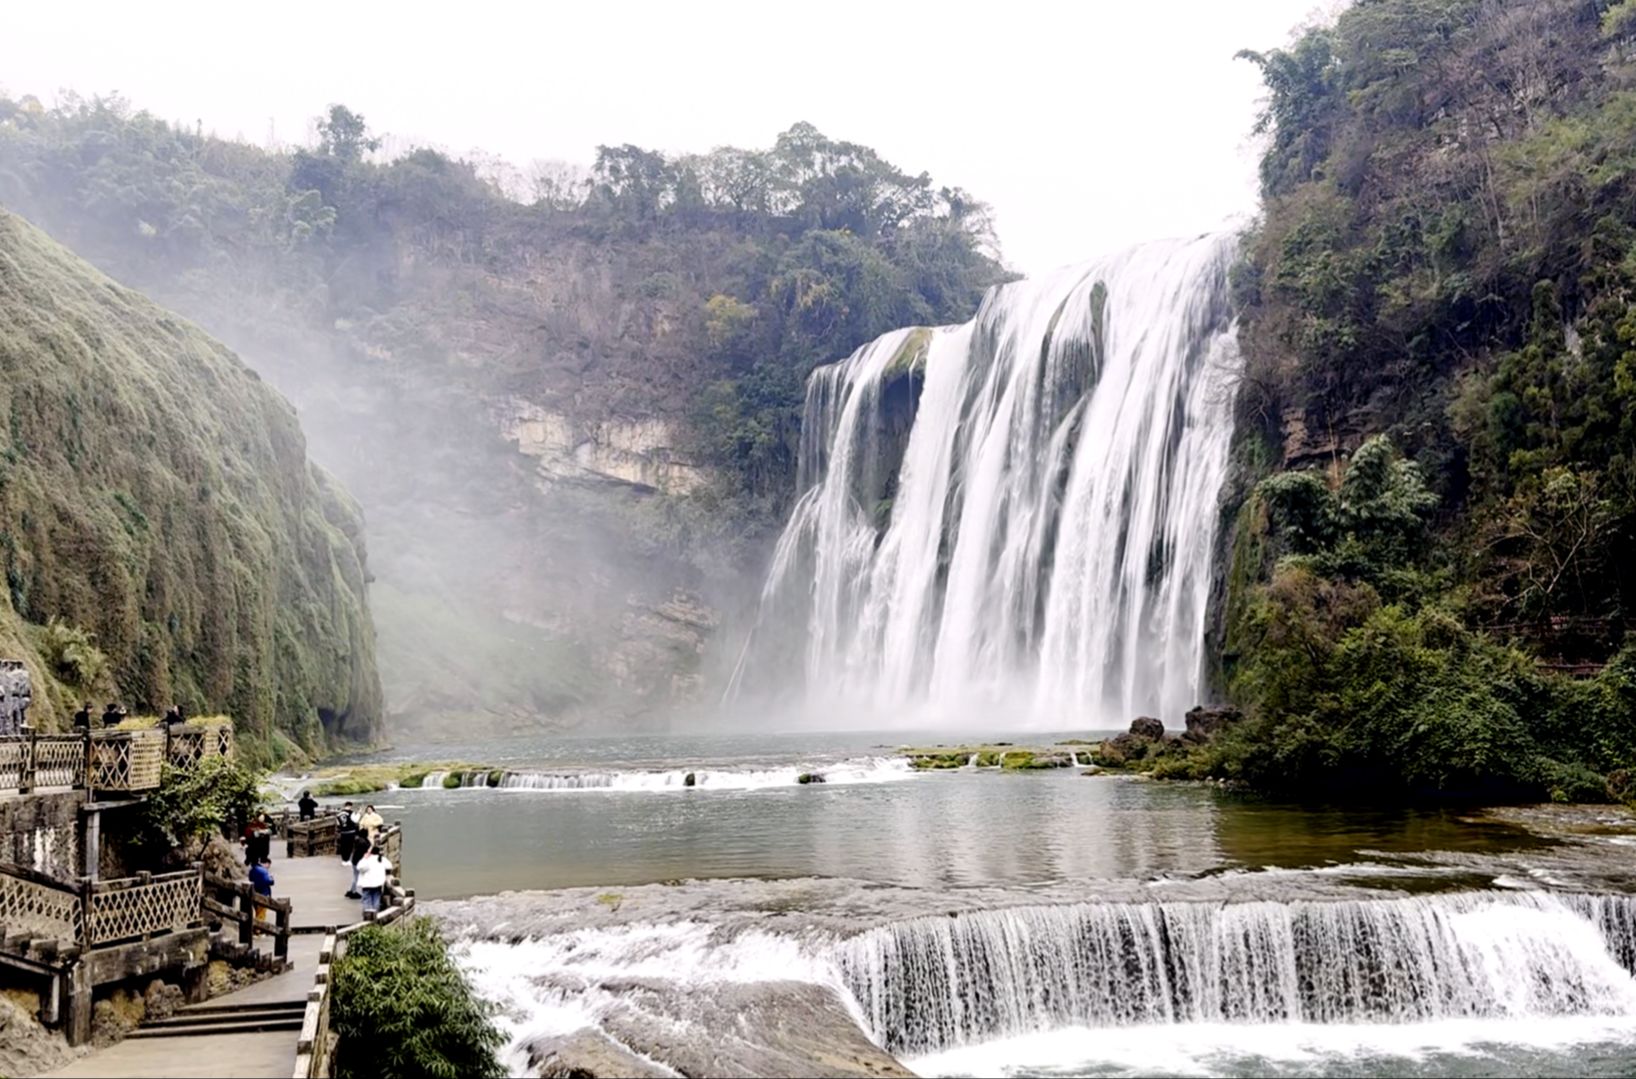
(155, 493)
(642, 452)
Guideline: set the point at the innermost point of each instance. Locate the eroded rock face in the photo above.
(587, 1054)
(745, 1029)
(26, 1046)
(639, 452)
(660, 648)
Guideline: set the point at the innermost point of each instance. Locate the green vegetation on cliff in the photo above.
(1447, 258)
(652, 319)
(163, 537)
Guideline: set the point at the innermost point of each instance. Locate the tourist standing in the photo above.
(370, 825)
(349, 832)
(258, 840)
(308, 806)
(261, 879)
(373, 872)
(360, 848)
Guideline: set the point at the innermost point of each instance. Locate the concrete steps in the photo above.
(202, 1019)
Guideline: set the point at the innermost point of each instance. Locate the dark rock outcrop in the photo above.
(1204, 723)
(1146, 727)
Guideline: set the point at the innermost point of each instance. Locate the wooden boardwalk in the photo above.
(192, 1046)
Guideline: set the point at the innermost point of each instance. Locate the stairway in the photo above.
(201, 1019)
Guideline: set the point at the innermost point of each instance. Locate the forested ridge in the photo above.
(649, 322)
(1433, 521)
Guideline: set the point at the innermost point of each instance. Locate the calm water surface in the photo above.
(938, 829)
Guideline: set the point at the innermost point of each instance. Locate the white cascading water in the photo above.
(934, 983)
(1504, 963)
(1036, 529)
(439, 780)
(839, 773)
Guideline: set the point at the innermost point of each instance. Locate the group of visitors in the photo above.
(112, 716)
(361, 844)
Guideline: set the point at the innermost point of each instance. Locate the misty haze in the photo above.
(717, 540)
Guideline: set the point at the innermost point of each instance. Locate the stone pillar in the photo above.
(93, 842)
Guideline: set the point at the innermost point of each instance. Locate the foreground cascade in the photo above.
(1021, 508)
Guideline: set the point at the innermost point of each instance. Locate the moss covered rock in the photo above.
(155, 493)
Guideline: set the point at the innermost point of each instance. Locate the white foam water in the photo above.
(1554, 1045)
(439, 780)
(854, 770)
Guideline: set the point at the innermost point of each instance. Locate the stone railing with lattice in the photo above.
(191, 744)
(16, 762)
(126, 760)
(142, 905)
(35, 904)
(59, 760)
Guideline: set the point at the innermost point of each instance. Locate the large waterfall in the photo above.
(937, 982)
(1018, 512)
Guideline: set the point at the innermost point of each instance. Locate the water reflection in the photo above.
(940, 830)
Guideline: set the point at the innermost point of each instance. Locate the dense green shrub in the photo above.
(217, 794)
(403, 1010)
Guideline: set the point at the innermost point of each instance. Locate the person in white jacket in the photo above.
(373, 871)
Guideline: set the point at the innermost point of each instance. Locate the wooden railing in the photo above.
(310, 838)
(106, 760)
(40, 905)
(135, 907)
(91, 914)
(315, 1048)
(238, 902)
(392, 843)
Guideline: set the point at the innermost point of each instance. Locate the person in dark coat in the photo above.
(258, 840)
(82, 718)
(307, 806)
(348, 833)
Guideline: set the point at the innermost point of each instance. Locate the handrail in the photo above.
(242, 902)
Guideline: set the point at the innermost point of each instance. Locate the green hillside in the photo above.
(156, 495)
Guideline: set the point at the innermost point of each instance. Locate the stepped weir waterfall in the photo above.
(1018, 511)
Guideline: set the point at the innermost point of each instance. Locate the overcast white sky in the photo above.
(1085, 125)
